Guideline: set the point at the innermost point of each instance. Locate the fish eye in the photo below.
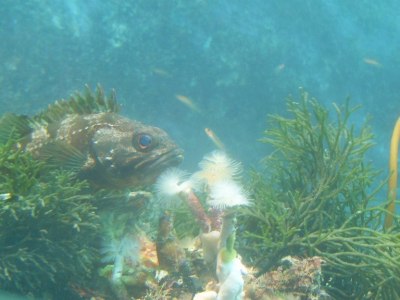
(143, 142)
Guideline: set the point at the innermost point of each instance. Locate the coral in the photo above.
(316, 197)
(48, 227)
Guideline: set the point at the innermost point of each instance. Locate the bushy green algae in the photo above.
(315, 198)
(48, 227)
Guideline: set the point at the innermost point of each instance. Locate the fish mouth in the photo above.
(168, 159)
(155, 163)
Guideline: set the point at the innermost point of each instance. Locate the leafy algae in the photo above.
(315, 197)
(48, 227)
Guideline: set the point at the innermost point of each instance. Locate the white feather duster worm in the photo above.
(227, 193)
(217, 166)
(170, 183)
(173, 186)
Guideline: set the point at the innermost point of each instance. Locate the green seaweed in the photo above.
(48, 227)
(316, 197)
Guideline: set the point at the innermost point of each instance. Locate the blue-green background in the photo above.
(223, 54)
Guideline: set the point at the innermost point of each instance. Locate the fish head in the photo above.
(129, 153)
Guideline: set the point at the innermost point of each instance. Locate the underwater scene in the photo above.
(204, 149)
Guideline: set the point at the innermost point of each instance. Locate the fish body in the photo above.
(104, 147)
(214, 138)
(161, 72)
(372, 62)
(188, 102)
(279, 68)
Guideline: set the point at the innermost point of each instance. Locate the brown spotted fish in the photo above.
(86, 133)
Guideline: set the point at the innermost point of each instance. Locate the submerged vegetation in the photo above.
(58, 227)
(48, 227)
(316, 197)
(314, 203)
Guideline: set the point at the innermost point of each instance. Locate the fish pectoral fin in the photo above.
(14, 127)
(60, 154)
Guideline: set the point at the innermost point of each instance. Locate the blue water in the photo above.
(237, 60)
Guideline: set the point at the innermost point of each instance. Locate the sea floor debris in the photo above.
(295, 278)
